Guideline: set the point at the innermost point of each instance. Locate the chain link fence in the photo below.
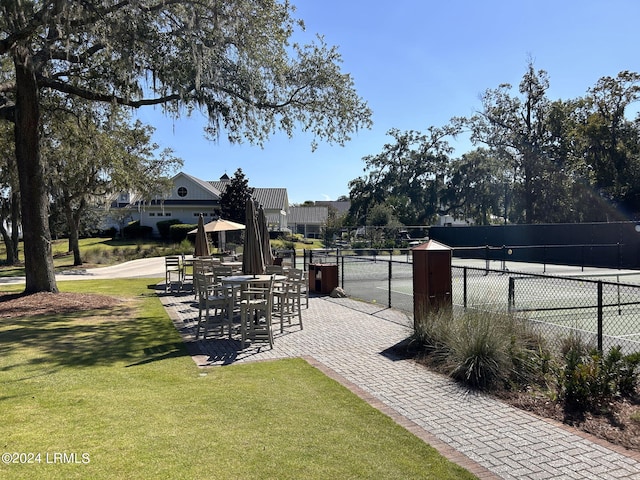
(382, 277)
(603, 311)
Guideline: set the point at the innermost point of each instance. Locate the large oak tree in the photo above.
(231, 58)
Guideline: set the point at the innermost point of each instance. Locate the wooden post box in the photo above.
(323, 278)
(431, 278)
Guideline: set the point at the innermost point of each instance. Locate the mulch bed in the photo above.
(13, 305)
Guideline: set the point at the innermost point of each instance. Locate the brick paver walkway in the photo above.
(350, 341)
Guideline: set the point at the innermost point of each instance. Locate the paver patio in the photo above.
(351, 342)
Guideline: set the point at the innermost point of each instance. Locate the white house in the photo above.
(191, 197)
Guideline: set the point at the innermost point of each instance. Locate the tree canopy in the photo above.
(537, 160)
(95, 153)
(234, 199)
(232, 59)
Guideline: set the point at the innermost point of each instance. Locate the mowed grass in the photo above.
(112, 394)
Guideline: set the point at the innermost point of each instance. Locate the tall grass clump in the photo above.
(480, 351)
(483, 350)
(98, 256)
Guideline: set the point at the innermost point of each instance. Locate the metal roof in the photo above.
(308, 215)
(269, 198)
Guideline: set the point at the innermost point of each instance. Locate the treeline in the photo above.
(536, 160)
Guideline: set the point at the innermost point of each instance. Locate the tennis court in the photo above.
(587, 304)
(557, 299)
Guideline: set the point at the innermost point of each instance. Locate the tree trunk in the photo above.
(11, 259)
(15, 224)
(73, 222)
(38, 260)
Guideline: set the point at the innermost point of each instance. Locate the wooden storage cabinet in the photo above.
(323, 278)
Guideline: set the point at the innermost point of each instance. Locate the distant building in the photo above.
(274, 201)
(190, 197)
(341, 207)
(308, 221)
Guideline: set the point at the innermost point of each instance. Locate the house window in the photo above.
(167, 214)
(152, 214)
(182, 191)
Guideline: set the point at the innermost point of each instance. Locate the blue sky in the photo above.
(418, 63)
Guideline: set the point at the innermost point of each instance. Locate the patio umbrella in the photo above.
(202, 245)
(221, 226)
(252, 260)
(267, 254)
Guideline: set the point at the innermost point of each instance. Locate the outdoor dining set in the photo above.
(237, 304)
(247, 296)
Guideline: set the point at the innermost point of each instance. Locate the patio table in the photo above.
(236, 266)
(243, 282)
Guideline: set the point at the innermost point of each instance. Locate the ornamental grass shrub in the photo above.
(494, 351)
(483, 350)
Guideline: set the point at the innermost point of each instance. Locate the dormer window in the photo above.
(182, 191)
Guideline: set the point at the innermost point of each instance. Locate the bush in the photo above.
(178, 232)
(433, 333)
(110, 232)
(589, 380)
(483, 350)
(136, 231)
(164, 227)
(479, 354)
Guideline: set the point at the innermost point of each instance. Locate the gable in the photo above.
(187, 188)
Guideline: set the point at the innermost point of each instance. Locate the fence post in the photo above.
(600, 329)
(389, 289)
(464, 287)
(486, 259)
(511, 300)
(342, 272)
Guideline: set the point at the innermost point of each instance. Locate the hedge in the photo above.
(164, 227)
(136, 231)
(178, 232)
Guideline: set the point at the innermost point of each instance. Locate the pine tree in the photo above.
(233, 200)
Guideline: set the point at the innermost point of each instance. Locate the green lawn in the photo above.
(115, 393)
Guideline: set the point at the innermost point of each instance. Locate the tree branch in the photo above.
(101, 97)
(80, 58)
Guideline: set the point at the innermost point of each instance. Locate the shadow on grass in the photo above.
(89, 338)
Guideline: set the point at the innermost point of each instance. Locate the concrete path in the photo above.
(144, 267)
(351, 342)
